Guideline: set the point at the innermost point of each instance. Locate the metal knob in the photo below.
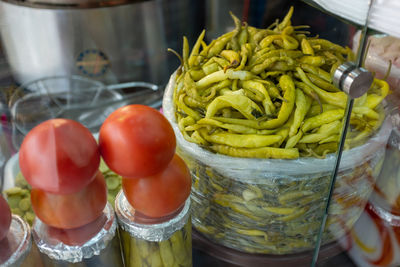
(352, 80)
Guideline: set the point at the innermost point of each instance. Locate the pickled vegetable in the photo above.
(175, 251)
(279, 215)
(270, 79)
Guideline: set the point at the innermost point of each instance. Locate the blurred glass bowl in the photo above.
(73, 97)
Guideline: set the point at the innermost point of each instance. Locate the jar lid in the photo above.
(150, 229)
(57, 250)
(18, 240)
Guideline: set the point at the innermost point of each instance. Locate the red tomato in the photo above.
(137, 141)
(161, 194)
(59, 156)
(71, 210)
(5, 218)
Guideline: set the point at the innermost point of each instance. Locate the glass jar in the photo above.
(16, 246)
(101, 249)
(275, 206)
(146, 241)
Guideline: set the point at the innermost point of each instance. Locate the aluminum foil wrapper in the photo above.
(57, 250)
(151, 232)
(20, 241)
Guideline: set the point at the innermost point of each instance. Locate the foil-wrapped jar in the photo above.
(102, 249)
(16, 246)
(162, 242)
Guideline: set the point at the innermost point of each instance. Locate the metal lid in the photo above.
(57, 250)
(161, 229)
(354, 81)
(19, 242)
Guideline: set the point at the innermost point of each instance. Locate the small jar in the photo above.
(162, 242)
(101, 249)
(16, 246)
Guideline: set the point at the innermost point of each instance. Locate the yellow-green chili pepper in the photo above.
(293, 140)
(243, 35)
(185, 55)
(258, 88)
(323, 132)
(208, 69)
(323, 118)
(232, 127)
(286, 20)
(195, 51)
(194, 103)
(234, 42)
(326, 45)
(232, 56)
(186, 109)
(372, 99)
(244, 54)
(366, 111)
(263, 152)
(222, 75)
(306, 47)
(198, 74)
(322, 84)
(289, 42)
(317, 71)
(303, 104)
(316, 61)
(338, 98)
(286, 83)
(241, 140)
(241, 103)
(219, 44)
(316, 109)
(257, 69)
(275, 53)
(269, 39)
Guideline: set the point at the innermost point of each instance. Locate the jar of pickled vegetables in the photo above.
(146, 241)
(275, 206)
(95, 244)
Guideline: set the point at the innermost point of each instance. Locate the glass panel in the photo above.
(369, 231)
(373, 238)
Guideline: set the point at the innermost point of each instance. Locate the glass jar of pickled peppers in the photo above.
(156, 242)
(101, 248)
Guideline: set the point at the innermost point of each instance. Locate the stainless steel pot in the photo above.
(111, 41)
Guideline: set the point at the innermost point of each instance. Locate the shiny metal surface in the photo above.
(113, 45)
(145, 227)
(357, 82)
(352, 80)
(57, 250)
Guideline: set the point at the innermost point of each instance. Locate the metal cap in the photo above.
(352, 80)
(59, 251)
(161, 230)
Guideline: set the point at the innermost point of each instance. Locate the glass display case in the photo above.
(285, 112)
